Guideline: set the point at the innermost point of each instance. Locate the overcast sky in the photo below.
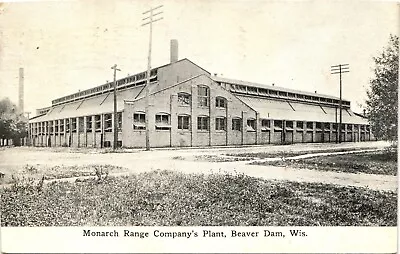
(66, 46)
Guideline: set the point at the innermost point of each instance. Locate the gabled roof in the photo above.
(166, 88)
(184, 59)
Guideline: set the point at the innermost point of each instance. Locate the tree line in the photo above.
(13, 123)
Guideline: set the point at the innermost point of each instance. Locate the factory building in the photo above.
(189, 107)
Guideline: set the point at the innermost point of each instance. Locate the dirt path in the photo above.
(143, 161)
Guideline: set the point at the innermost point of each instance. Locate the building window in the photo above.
(163, 122)
(203, 95)
(73, 124)
(62, 125)
(183, 99)
(183, 122)
(236, 124)
(88, 124)
(251, 125)
(139, 121)
(278, 125)
(119, 121)
(310, 125)
(51, 127)
(299, 125)
(108, 123)
(327, 126)
(97, 120)
(67, 127)
(318, 125)
(203, 123)
(265, 124)
(252, 90)
(57, 124)
(289, 125)
(220, 124)
(81, 124)
(220, 102)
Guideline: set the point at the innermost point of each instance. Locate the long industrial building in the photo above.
(190, 107)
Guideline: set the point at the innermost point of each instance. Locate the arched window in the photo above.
(251, 124)
(183, 99)
(220, 102)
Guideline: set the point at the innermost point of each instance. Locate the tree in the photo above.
(13, 124)
(382, 100)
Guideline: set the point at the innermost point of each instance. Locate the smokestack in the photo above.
(21, 90)
(174, 51)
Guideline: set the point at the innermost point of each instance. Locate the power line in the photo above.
(339, 69)
(150, 22)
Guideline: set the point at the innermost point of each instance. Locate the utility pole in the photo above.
(150, 23)
(115, 127)
(339, 69)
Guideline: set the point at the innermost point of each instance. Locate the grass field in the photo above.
(166, 198)
(382, 162)
(34, 172)
(287, 153)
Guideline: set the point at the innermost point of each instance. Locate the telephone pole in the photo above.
(339, 69)
(150, 22)
(115, 127)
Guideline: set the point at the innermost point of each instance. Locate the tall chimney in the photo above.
(21, 90)
(174, 51)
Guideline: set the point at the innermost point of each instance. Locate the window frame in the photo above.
(107, 121)
(182, 122)
(139, 122)
(162, 124)
(237, 122)
(89, 124)
(203, 100)
(218, 126)
(251, 125)
(203, 123)
(184, 95)
(221, 100)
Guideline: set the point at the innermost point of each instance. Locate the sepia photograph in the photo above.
(215, 119)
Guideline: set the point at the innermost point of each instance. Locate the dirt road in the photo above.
(182, 160)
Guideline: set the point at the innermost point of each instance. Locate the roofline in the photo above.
(183, 60)
(36, 117)
(166, 88)
(276, 88)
